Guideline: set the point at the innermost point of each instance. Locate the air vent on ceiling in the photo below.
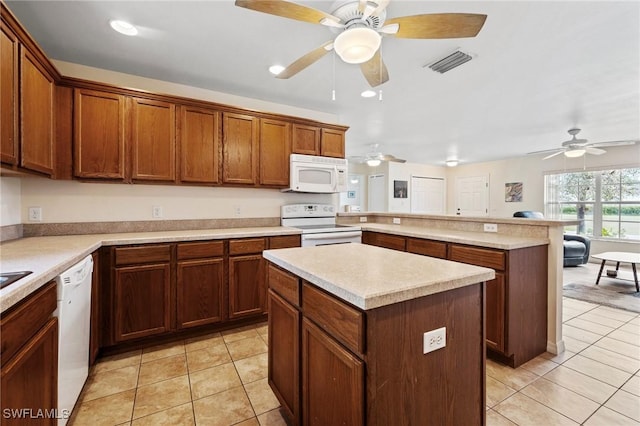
(448, 63)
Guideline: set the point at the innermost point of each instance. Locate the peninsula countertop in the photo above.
(48, 257)
(481, 239)
(369, 277)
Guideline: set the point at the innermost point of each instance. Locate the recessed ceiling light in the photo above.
(451, 163)
(276, 69)
(368, 94)
(123, 27)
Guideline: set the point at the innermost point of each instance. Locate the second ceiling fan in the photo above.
(360, 25)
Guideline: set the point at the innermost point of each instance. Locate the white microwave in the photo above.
(311, 173)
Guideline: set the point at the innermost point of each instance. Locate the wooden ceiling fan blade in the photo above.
(362, 5)
(288, 10)
(595, 151)
(374, 70)
(439, 25)
(615, 143)
(306, 60)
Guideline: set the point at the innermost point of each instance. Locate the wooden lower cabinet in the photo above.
(379, 376)
(284, 358)
(29, 383)
(332, 380)
(247, 290)
(200, 296)
(495, 313)
(142, 301)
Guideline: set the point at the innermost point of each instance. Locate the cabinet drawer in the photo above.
(284, 241)
(427, 247)
(142, 254)
(247, 246)
(285, 284)
(477, 256)
(344, 323)
(25, 319)
(201, 250)
(393, 242)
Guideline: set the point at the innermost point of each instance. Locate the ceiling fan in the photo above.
(575, 147)
(373, 158)
(360, 25)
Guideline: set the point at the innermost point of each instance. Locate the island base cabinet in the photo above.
(284, 357)
(496, 313)
(332, 381)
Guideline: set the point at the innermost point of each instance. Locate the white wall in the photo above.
(530, 170)
(72, 201)
(10, 201)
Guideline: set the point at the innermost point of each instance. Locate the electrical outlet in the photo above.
(237, 210)
(35, 214)
(490, 227)
(156, 212)
(396, 220)
(434, 339)
(363, 219)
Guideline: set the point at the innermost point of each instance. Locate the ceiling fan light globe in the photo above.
(574, 153)
(373, 162)
(357, 45)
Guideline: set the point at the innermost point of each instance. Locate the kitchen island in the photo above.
(347, 340)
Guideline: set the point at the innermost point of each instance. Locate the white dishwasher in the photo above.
(74, 315)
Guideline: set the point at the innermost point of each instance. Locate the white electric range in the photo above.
(318, 224)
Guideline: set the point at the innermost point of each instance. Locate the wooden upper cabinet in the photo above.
(306, 139)
(37, 112)
(98, 135)
(153, 140)
(240, 149)
(9, 60)
(275, 148)
(199, 137)
(332, 143)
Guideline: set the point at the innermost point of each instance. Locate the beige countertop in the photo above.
(47, 257)
(456, 218)
(482, 239)
(369, 277)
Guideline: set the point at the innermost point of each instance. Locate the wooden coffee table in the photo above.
(619, 257)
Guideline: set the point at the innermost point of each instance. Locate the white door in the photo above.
(376, 193)
(354, 196)
(427, 195)
(472, 196)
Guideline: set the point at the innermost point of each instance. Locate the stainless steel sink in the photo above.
(7, 278)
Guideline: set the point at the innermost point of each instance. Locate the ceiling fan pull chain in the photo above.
(333, 91)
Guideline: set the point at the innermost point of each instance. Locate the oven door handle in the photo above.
(332, 235)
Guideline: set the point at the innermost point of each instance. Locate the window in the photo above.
(607, 202)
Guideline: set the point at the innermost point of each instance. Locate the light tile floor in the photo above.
(220, 379)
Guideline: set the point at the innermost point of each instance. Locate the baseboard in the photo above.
(555, 348)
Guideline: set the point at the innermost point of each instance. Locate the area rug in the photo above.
(614, 293)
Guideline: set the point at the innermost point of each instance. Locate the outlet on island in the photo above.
(434, 339)
(490, 227)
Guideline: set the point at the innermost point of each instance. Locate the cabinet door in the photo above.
(153, 140)
(332, 143)
(94, 340)
(98, 140)
(30, 378)
(275, 149)
(36, 115)
(247, 292)
(240, 149)
(332, 381)
(199, 145)
(9, 60)
(142, 301)
(200, 292)
(306, 140)
(495, 313)
(284, 354)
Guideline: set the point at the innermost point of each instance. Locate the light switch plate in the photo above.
(434, 339)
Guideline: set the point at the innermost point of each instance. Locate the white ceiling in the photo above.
(539, 68)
